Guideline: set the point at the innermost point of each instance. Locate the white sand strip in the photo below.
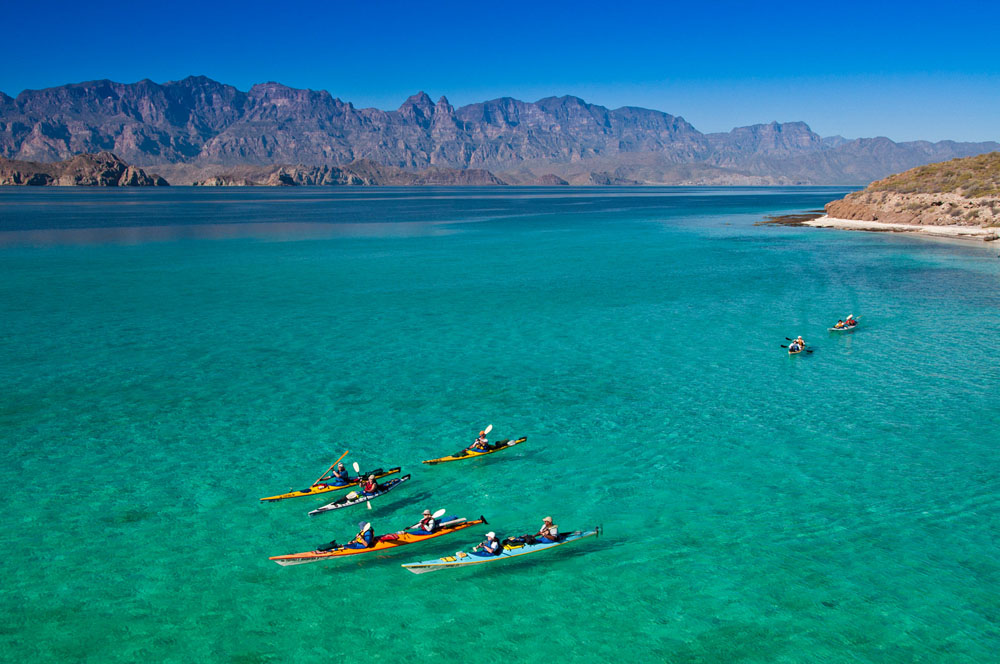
(959, 232)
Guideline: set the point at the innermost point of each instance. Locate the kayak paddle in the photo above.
(323, 476)
(436, 515)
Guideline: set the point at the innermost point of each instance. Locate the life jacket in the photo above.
(427, 524)
(365, 538)
(492, 547)
(370, 487)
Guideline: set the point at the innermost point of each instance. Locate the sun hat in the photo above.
(427, 511)
(490, 535)
(548, 518)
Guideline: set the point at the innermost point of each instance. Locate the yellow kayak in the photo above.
(471, 454)
(319, 488)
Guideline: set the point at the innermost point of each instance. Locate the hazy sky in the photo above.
(902, 70)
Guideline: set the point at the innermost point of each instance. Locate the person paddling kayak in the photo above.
(839, 325)
(489, 546)
(480, 444)
(340, 476)
(851, 321)
(365, 539)
(549, 532)
(370, 486)
(427, 524)
(797, 345)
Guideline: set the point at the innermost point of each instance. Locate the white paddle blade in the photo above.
(357, 468)
(439, 513)
(488, 429)
(368, 503)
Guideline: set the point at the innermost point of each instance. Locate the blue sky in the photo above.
(903, 70)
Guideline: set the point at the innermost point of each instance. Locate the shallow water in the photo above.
(171, 356)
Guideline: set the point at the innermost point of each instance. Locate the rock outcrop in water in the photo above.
(103, 169)
(960, 192)
(197, 128)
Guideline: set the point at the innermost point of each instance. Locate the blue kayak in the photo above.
(512, 548)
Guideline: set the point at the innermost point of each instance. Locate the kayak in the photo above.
(450, 524)
(319, 488)
(354, 498)
(511, 549)
(843, 329)
(470, 454)
(794, 352)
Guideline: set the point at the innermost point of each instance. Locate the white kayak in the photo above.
(511, 549)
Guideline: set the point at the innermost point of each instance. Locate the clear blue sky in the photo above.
(903, 70)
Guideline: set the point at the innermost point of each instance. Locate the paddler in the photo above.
(851, 322)
(480, 444)
(369, 486)
(365, 539)
(490, 546)
(549, 532)
(340, 476)
(839, 325)
(427, 524)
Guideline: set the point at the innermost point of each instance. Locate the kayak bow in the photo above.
(509, 551)
(469, 454)
(383, 543)
(319, 488)
(354, 498)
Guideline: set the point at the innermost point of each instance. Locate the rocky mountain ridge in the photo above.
(197, 127)
(103, 169)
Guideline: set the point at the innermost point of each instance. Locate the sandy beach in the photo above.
(977, 233)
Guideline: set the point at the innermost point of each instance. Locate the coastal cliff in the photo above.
(103, 169)
(960, 192)
(359, 173)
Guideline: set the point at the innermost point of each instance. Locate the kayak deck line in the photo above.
(386, 542)
(360, 498)
(321, 488)
(462, 559)
(471, 454)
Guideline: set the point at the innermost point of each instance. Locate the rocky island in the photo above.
(957, 198)
(103, 169)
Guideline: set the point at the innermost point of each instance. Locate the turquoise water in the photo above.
(169, 357)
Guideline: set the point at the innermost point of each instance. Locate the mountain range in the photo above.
(198, 128)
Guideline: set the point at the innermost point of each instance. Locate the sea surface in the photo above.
(170, 356)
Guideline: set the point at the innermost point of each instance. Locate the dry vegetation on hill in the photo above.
(970, 177)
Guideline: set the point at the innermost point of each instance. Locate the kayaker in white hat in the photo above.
(427, 524)
(549, 532)
(370, 486)
(490, 545)
(340, 476)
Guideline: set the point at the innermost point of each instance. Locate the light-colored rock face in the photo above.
(942, 209)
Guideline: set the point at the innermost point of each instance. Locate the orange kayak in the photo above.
(383, 543)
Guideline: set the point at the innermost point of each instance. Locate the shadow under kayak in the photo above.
(509, 551)
(317, 489)
(471, 454)
(358, 498)
(383, 543)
